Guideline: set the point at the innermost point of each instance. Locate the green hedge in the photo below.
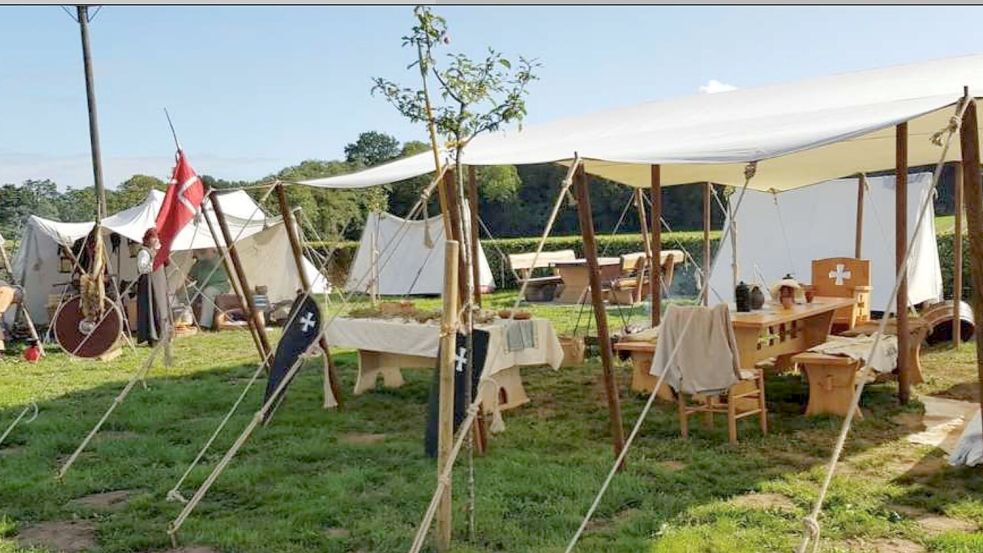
(946, 242)
(608, 245)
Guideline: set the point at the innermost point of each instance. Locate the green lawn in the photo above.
(311, 482)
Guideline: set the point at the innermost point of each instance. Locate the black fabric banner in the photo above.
(460, 381)
(303, 331)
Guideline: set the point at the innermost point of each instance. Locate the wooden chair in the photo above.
(539, 288)
(844, 277)
(632, 287)
(744, 399)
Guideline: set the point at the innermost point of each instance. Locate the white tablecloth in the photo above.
(412, 338)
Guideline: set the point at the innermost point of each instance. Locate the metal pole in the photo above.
(90, 93)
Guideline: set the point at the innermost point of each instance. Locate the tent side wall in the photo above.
(816, 225)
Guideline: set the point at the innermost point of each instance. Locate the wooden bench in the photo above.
(539, 288)
(918, 329)
(832, 382)
(632, 286)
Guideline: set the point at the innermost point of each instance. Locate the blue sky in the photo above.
(253, 89)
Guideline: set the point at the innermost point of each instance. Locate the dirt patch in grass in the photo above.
(673, 466)
(188, 549)
(935, 524)
(71, 536)
(105, 501)
(336, 532)
(113, 435)
(12, 450)
(362, 438)
(893, 545)
(769, 501)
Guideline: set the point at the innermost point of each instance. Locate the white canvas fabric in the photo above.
(820, 221)
(407, 264)
(263, 246)
(801, 133)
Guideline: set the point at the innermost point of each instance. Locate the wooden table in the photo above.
(770, 332)
(576, 277)
(781, 333)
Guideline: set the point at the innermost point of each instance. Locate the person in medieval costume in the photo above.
(153, 313)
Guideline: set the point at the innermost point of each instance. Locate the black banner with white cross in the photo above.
(302, 332)
(460, 381)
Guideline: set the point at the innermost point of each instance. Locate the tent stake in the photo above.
(332, 385)
(957, 257)
(445, 413)
(970, 145)
(900, 244)
(597, 301)
(655, 193)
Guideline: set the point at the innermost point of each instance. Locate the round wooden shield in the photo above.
(83, 338)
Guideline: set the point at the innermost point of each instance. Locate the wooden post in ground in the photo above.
(600, 314)
(231, 272)
(332, 385)
(858, 246)
(454, 219)
(445, 409)
(655, 193)
(27, 314)
(707, 190)
(646, 243)
(240, 273)
(475, 244)
(900, 245)
(82, 13)
(970, 145)
(957, 256)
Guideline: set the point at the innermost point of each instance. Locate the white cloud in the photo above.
(714, 86)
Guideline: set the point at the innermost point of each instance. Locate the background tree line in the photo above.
(513, 201)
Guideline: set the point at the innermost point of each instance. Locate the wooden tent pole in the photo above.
(445, 412)
(655, 193)
(27, 313)
(970, 145)
(240, 273)
(707, 190)
(229, 270)
(900, 245)
(957, 256)
(332, 385)
(858, 246)
(453, 218)
(475, 244)
(597, 302)
(646, 244)
(82, 13)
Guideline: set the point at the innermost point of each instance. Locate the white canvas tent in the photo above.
(262, 243)
(779, 234)
(408, 266)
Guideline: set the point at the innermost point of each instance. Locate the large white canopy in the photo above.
(801, 133)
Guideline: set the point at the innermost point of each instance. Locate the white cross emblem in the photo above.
(840, 274)
(460, 359)
(307, 322)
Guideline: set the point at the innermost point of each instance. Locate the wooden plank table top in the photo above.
(773, 314)
(576, 276)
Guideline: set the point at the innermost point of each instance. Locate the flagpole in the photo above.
(173, 133)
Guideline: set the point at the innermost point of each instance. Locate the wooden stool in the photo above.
(510, 392)
(832, 382)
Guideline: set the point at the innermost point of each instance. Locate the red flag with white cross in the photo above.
(184, 195)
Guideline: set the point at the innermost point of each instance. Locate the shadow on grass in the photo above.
(302, 484)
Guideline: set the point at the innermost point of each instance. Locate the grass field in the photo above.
(357, 480)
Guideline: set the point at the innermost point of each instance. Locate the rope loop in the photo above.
(750, 169)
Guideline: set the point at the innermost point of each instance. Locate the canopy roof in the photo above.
(801, 133)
